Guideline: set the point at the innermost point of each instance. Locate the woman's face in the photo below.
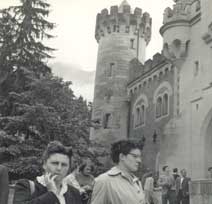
(87, 170)
(57, 164)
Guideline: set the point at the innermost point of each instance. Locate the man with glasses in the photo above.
(119, 185)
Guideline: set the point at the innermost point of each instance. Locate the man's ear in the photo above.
(121, 156)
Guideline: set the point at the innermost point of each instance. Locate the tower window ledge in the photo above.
(139, 126)
(158, 118)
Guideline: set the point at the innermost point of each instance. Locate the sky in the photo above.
(75, 58)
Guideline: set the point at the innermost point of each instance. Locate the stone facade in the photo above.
(166, 101)
(155, 80)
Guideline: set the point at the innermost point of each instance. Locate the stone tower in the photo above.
(122, 36)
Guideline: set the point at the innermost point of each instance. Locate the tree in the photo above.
(35, 106)
(31, 28)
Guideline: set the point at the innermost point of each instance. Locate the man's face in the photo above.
(183, 173)
(167, 170)
(57, 164)
(132, 160)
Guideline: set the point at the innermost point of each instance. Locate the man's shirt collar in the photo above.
(116, 171)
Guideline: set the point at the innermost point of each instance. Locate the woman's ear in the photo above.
(44, 166)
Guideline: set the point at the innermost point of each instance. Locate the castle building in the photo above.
(166, 101)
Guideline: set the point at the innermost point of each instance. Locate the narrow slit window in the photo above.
(138, 117)
(142, 114)
(165, 104)
(111, 68)
(132, 43)
(196, 68)
(114, 28)
(158, 107)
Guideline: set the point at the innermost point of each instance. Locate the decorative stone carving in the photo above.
(198, 5)
(207, 37)
(176, 50)
(168, 12)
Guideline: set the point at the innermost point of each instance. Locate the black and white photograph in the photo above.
(106, 102)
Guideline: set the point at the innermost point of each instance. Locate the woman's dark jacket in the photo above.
(4, 185)
(41, 195)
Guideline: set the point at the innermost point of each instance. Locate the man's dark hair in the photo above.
(124, 147)
(164, 168)
(175, 170)
(56, 147)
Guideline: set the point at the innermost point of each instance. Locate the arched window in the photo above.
(165, 104)
(139, 111)
(161, 99)
(159, 107)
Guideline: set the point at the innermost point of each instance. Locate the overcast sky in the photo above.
(75, 59)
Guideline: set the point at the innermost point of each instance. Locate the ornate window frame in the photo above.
(139, 111)
(165, 102)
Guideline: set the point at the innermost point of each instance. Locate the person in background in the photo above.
(174, 187)
(175, 173)
(49, 188)
(83, 180)
(150, 197)
(119, 185)
(143, 179)
(210, 172)
(167, 182)
(182, 188)
(4, 185)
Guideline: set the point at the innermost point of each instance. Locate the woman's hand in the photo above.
(50, 182)
(87, 188)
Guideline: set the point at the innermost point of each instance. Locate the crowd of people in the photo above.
(175, 187)
(119, 185)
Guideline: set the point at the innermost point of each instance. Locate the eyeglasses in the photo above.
(136, 156)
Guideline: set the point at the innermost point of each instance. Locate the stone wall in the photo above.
(148, 85)
(201, 192)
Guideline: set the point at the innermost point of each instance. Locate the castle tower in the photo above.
(122, 36)
(178, 25)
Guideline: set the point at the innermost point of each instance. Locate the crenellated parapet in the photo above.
(147, 74)
(182, 10)
(138, 70)
(122, 20)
